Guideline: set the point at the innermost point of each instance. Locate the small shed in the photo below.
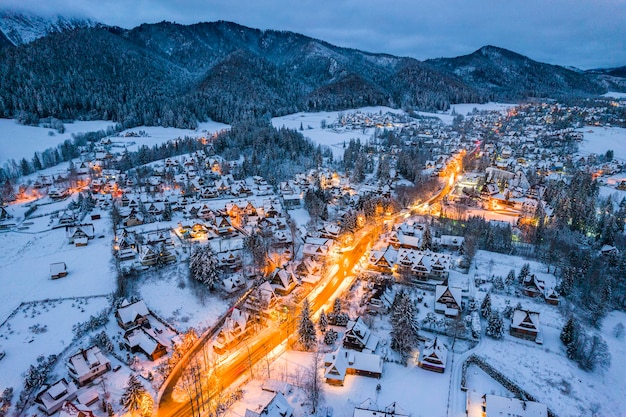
(58, 270)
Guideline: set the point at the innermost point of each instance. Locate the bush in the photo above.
(330, 337)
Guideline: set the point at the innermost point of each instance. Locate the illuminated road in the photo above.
(253, 349)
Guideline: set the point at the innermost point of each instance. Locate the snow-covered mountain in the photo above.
(20, 27)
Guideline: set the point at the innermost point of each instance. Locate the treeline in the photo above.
(581, 226)
(275, 154)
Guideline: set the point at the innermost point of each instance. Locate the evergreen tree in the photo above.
(523, 273)
(306, 328)
(337, 306)
(427, 239)
(257, 246)
(330, 337)
(495, 325)
(404, 325)
(485, 307)
(510, 278)
(135, 396)
(322, 322)
(167, 212)
(203, 265)
(568, 332)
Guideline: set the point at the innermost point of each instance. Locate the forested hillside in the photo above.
(174, 75)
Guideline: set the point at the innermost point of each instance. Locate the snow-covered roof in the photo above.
(503, 406)
(128, 313)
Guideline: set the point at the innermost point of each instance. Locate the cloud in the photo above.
(582, 33)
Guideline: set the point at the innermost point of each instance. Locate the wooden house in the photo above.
(358, 336)
(140, 340)
(80, 235)
(448, 300)
(58, 270)
(282, 281)
(525, 324)
(434, 355)
(533, 286)
(349, 362)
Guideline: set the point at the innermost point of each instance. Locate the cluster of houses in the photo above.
(142, 333)
(408, 253)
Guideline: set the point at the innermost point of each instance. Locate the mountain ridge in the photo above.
(21, 27)
(175, 75)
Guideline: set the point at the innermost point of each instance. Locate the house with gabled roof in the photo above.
(236, 327)
(58, 270)
(525, 324)
(80, 235)
(309, 270)
(315, 251)
(344, 362)
(278, 406)
(52, 398)
(358, 336)
(141, 340)
(87, 365)
(448, 300)
(132, 315)
(233, 283)
(283, 281)
(330, 230)
(551, 296)
(79, 409)
(262, 298)
(434, 356)
(383, 260)
(533, 286)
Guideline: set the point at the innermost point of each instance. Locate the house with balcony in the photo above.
(434, 356)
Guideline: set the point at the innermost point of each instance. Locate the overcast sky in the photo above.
(581, 33)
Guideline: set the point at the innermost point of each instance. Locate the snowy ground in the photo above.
(27, 255)
(335, 138)
(23, 340)
(599, 139)
(155, 135)
(18, 141)
(169, 294)
(614, 94)
(398, 384)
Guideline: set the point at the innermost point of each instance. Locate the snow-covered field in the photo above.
(41, 328)
(599, 139)
(418, 392)
(27, 255)
(18, 141)
(169, 295)
(614, 94)
(155, 135)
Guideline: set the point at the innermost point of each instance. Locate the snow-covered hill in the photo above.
(22, 27)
